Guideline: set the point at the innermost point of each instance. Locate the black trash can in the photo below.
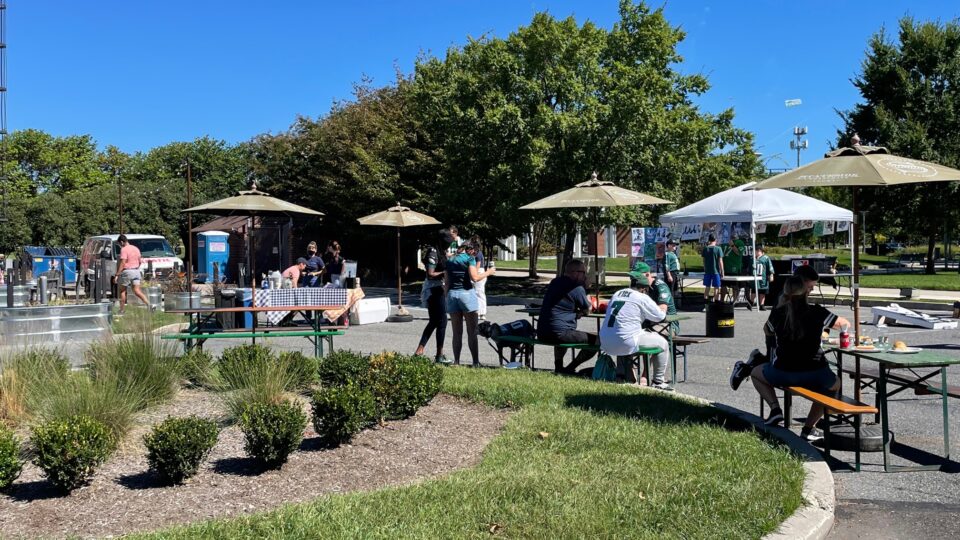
(720, 322)
(226, 298)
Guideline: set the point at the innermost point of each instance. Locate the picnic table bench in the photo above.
(680, 344)
(642, 353)
(846, 409)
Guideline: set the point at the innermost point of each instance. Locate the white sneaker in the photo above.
(662, 386)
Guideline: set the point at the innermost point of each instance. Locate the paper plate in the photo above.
(908, 350)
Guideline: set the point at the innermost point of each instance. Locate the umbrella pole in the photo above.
(399, 284)
(856, 266)
(596, 255)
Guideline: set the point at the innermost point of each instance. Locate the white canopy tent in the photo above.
(743, 204)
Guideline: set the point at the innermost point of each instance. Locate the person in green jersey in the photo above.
(659, 291)
(764, 269)
(671, 268)
(712, 269)
(733, 265)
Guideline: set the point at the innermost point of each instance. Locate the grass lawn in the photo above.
(138, 319)
(942, 281)
(578, 460)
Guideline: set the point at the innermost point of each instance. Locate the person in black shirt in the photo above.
(312, 273)
(564, 302)
(334, 263)
(796, 358)
(432, 295)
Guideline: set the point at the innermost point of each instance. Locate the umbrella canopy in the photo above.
(594, 193)
(860, 166)
(252, 203)
(399, 217)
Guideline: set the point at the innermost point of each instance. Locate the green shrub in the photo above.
(69, 451)
(340, 412)
(177, 446)
(238, 365)
(343, 367)
(303, 369)
(111, 404)
(196, 367)
(272, 431)
(402, 384)
(27, 378)
(138, 364)
(10, 462)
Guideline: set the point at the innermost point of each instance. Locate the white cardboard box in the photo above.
(370, 310)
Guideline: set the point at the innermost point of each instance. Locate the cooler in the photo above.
(370, 310)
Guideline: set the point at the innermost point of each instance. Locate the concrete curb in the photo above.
(814, 520)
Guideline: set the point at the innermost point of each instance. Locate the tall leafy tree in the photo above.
(910, 88)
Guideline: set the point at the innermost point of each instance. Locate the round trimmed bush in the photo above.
(343, 367)
(69, 451)
(303, 369)
(10, 462)
(272, 431)
(177, 446)
(403, 384)
(340, 412)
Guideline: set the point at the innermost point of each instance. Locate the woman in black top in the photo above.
(433, 297)
(796, 359)
(333, 262)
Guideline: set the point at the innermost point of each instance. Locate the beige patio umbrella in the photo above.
(594, 194)
(860, 166)
(252, 203)
(399, 217)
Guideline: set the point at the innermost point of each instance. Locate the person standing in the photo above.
(623, 329)
(313, 272)
(765, 276)
(432, 296)
(459, 276)
(128, 273)
(671, 268)
(732, 266)
(712, 269)
(334, 263)
(481, 285)
(564, 302)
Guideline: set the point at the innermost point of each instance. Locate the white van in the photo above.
(159, 259)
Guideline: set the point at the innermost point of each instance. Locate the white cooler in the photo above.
(370, 310)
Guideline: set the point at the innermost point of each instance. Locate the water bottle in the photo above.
(844, 338)
(265, 283)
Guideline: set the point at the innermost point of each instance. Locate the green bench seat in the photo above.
(317, 336)
(643, 352)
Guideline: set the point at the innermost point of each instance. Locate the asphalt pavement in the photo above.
(871, 504)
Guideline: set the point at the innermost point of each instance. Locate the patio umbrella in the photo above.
(399, 217)
(594, 194)
(252, 203)
(860, 166)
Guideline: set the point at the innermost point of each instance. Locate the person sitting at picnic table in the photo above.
(809, 276)
(624, 329)
(659, 292)
(712, 269)
(797, 359)
(764, 271)
(294, 272)
(314, 269)
(733, 266)
(564, 302)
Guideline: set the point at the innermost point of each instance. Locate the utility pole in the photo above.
(799, 144)
(3, 108)
(116, 172)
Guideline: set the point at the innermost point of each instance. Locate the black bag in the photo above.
(521, 328)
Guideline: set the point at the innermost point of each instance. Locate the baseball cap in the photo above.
(639, 281)
(672, 242)
(806, 272)
(638, 270)
(301, 260)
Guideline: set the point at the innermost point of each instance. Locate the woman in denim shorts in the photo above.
(460, 274)
(796, 358)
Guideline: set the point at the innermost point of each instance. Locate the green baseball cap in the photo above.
(639, 281)
(639, 269)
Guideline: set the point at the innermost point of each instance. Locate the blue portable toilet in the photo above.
(213, 248)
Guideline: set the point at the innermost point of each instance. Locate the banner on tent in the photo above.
(828, 227)
(648, 244)
(691, 231)
(843, 226)
(818, 228)
(761, 228)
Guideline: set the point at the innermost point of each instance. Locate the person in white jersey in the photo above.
(623, 330)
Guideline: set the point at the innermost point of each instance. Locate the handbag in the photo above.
(604, 369)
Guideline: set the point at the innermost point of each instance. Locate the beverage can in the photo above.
(844, 339)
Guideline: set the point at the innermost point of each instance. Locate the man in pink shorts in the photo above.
(128, 272)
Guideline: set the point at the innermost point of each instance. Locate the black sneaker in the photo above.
(740, 372)
(775, 418)
(763, 307)
(811, 434)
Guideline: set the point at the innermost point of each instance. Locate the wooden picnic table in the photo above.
(199, 331)
(889, 384)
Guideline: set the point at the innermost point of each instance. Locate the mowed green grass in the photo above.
(577, 460)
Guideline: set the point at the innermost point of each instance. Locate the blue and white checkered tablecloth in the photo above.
(306, 296)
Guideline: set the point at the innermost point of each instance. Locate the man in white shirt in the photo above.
(622, 331)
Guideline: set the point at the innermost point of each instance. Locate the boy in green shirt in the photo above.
(671, 268)
(765, 275)
(712, 269)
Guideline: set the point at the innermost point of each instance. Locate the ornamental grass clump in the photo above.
(241, 365)
(303, 369)
(177, 446)
(272, 431)
(69, 451)
(10, 462)
(138, 364)
(196, 368)
(113, 405)
(340, 412)
(26, 378)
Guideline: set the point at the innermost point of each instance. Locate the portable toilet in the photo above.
(213, 248)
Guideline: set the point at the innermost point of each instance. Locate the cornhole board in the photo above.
(882, 315)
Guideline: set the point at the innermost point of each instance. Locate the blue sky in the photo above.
(142, 74)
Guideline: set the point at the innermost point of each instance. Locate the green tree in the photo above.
(910, 88)
(38, 162)
(535, 113)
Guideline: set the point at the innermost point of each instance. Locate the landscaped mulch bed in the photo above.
(446, 435)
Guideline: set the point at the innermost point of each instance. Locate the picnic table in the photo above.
(199, 329)
(740, 284)
(895, 373)
(839, 281)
